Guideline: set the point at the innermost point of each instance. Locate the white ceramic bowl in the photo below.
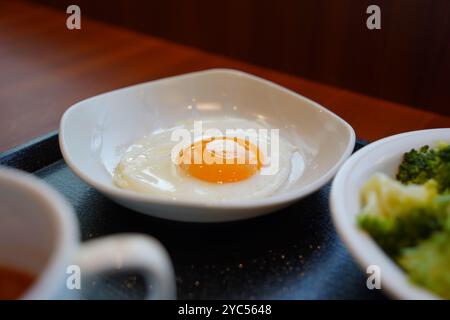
(382, 156)
(94, 133)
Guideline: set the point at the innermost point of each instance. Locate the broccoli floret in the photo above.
(420, 166)
(384, 196)
(428, 263)
(402, 231)
(443, 177)
(399, 216)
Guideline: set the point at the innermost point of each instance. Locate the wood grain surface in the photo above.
(45, 68)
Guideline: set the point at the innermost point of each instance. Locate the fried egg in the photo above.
(225, 159)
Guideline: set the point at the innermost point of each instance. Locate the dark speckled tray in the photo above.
(291, 254)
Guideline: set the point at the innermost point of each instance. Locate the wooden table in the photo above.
(45, 68)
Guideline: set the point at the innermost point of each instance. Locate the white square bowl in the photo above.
(95, 132)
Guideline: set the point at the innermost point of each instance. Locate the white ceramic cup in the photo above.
(39, 236)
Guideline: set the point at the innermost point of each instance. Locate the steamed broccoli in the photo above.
(420, 166)
(410, 217)
(394, 233)
(399, 216)
(428, 264)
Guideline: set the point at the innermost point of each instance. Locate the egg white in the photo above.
(147, 166)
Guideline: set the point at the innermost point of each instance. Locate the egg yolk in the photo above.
(221, 159)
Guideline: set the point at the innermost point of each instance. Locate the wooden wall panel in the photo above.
(407, 61)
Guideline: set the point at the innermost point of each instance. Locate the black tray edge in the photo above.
(28, 156)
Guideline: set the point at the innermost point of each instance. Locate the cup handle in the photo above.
(129, 251)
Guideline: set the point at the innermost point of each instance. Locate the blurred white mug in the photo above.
(39, 237)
